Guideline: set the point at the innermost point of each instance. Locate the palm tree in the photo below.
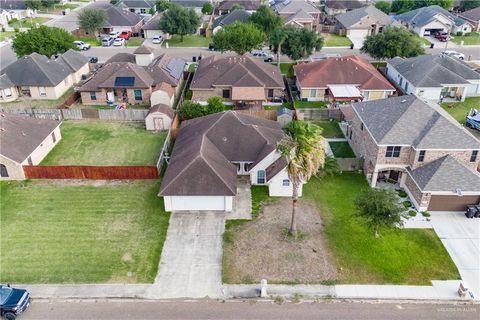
(303, 149)
(278, 38)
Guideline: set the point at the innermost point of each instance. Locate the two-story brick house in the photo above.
(419, 147)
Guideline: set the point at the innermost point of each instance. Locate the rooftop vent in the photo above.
(403, 101)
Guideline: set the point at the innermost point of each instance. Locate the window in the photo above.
(401, 82)
(351, 134)
(226, 93)
(7, 92)
(361, 126)
(3, 171)
(473, 157)
(270, 93)
(406, 86)
(30, 162)
(421, 156)
(54, 139)
(286, 183)
(393, 152)
(93, 95)
(421, 92)
(143, 10)
(313, 93)
(132, 10)
(42, 91)
(138, 94)
(261, 177)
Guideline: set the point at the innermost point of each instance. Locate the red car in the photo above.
(442, 36)
(125, 35)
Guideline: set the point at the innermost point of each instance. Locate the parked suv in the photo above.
(267, 57)
(454, 54)
(82, 45)
(13, 302)
(107, 41)
(125, 35)
(442, 36)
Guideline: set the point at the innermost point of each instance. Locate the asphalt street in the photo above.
(251, 310)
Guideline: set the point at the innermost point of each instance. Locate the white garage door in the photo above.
(198, 203)
(357, 33)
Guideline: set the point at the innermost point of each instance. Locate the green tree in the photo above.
(238, 37)
(299, 42)
(384, 6)
(43, 40)
(207, 8)
(303, 149)
(49, 3)
(180, 21)
(33, 4)
(266, 19)
(191, 109)
(446, 4)
(401, 6)
(276, 40)
(162, 5)
(380, 208)
(92, 19)
(466, 5)
(393, 42)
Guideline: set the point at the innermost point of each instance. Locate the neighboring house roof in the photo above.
(122, 57)
(205, 147)
(299, 15)
(153, 23)
(423, 16)
(293, 6)
(249, 5)
(21, 135)
(189, 3)
(116, 16)
(5, 82)
(353, 19)
(445, 174)
(38, 70)
(350, 70)
(162, 108)
(472, 15)
(143, 49)
(434, 70)
(407, 120)
(139, 3)
(234, 16)
(241, 71)
(13, 5)
(343, 4)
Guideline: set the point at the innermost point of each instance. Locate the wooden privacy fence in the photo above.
(91, 172)
(320, 114)
(349, 164)
(265, 114)
(82, 114)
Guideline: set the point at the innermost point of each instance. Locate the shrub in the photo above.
(402, 193)
(191, 109)
(459, 34)
(16, 29)
(426, 214)
(13, 21)
(407, 204)
(412, 213)
(468, 34)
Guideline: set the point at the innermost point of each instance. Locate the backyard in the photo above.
(81, 232)
(472, 38)
(334, 40)
(459, 110)
(341, 149)
(188, 41)
(400, 256)
(299, 104)
(105, 143)
(28, 103)
(330, 129)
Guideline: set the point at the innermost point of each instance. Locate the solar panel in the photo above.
(175, 67)
(124, 81)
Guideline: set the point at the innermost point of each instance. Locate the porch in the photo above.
(392, 178)
(453, 94)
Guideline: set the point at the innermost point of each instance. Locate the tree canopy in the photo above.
(162, 5)
(384, 6)
(392, 42)
(180, 21)
(33, 4)
(466, 5)
(266, 19)
(298, 42)
(238, 37)
(191, 109)
(207, 8)
(401, 6)
(43, 40)
(92, 19)
(380, 208)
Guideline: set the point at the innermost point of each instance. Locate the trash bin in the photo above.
(477, 214)
(351, 46)
(471, 211)
(194, 59)
(432, 45)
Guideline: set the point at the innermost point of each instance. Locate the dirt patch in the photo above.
(261, 248)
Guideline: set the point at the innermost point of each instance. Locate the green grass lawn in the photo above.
(28, 23)
(94, 42)
(334, 40)
(286, 68)
(299, 104)
(400, 256)
(188, 41)
(330, 129)
(7, 34)
(287, 105)
(341, 149)
(472, 39)
(105, 143)
(134, 42)
(62, 232)
(423, 40)
(57, 9)
(459, 110)
(379, 64)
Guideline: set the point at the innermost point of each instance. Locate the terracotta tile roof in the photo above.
(346, 70)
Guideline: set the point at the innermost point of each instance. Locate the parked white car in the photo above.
(118, 42)
(453, 53)
(267, 57)
(157, 39)
(82, 45)
(114, 34)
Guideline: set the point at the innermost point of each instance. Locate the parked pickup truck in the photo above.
(13, 302)
(125, 35)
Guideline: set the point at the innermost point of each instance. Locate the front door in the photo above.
(394, 175)
(158, 124)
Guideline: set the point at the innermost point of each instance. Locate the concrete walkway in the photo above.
(242, 202)
(191, 261)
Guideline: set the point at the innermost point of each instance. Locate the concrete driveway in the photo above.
(461, 238)
(191, 261)
(357, 41)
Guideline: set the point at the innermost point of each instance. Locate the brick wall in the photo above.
(422, 199)
(430, 155)
(363, 145)
(203, 95)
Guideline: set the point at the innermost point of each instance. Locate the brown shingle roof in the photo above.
(248, 5)
(277, 166)
(163, 108)
(346, 70)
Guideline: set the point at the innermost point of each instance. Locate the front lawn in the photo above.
(473, 38)
(28, 23)
(299, 104)
(341, 149)
(188, 41)
(134, 42)
(94, 42)
(459, 110)
(72, 232)
(330, 129)
(334, 40)
(6, 34)
(423, 40)
(105, 143)
(58, 8)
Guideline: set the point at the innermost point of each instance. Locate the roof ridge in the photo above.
(40, 65)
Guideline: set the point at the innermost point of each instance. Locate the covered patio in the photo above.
(248, 97)
(453, 94)
(342, 93)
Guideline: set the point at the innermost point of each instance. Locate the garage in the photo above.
(357, 33)
(198, 203)
(451, 203)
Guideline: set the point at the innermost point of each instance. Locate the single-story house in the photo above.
(299, 13)
(239, 15)
(152, 27)
(243, 81)
(428, 20)
(211, 152)
(25, 141)
(14, 9)
(434, 77)
(350, 78)
(413, 144)
(359, 23)
(225, 6)
(159, 117)
(127, 78)
(336, 7)
(473, 17)
(140, 6)
(39, 77)
(8, 91)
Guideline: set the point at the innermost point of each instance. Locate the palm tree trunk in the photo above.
(293, 224)
(376, 231)
(278, 53)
